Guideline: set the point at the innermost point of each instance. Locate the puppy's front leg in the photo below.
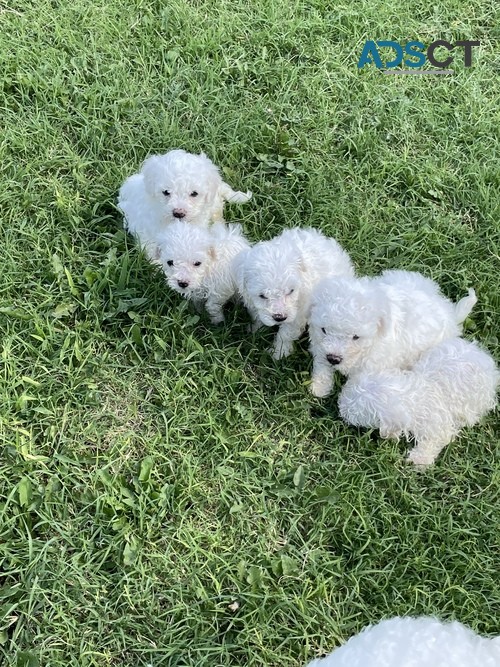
(198, 304)
(255, 326)
(427, 449)
(321, 377)
(283, 342)
(256, 322)
(214, 309)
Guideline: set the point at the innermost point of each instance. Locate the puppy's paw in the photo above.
(420, 459)
(199, 305)
(254, 327)
(319, 388)
(281, 350)
(389, 434)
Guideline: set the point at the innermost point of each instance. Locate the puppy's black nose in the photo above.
(333, 359)
(182, 283)
(279, 317)
(178, 214)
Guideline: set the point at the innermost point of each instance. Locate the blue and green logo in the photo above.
(414, 55)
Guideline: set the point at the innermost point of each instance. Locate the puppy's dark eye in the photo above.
(263, 296)
(291, 291)
(166, 193)
(170, 262)
(355, 337)
(194, 194)
(323, 330)
(196, 263)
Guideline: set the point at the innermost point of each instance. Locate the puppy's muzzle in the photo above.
(182, 284)
(179, 213)
(279, 317)
(333, 359)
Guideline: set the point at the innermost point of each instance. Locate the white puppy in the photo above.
(276, 279)
(415, 642)
(198, 263)
(366, 324)
(174, 186)
(452, 385)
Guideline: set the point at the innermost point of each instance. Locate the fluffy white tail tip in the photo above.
(239, 197)
(465, 305)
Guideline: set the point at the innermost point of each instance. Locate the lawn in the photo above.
(170, 496)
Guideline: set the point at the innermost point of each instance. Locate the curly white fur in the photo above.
(198, 263)
(370, 324)
(415, 642)
(276, 279)
(174, 186)
(451, 386)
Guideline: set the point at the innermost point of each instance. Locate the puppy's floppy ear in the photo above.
(238, 266)
(294, 257)
(302, 265)
(150, 162)
(385, 320)
(150, 170)
(150, 166)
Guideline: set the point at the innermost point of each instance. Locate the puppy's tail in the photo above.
(233, 197)
(465, 305)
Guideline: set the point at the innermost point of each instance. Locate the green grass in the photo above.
(156, 470)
